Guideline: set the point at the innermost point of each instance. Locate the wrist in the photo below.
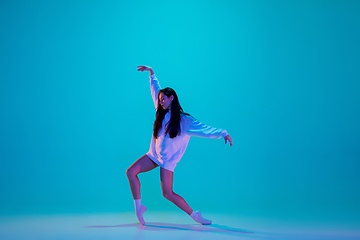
(224, 133)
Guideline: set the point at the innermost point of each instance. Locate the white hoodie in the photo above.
(166, 151)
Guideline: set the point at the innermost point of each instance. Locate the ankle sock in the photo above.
(198, 218)
(139, 210)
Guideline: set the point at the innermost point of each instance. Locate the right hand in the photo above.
(144, 68)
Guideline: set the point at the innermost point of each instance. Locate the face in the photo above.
(165, 101)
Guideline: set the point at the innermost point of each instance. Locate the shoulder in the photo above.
(187, 118)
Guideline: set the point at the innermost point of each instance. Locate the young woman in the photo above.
(171, 134)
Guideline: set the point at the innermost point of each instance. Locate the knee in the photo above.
(130, 172)
(167, 194)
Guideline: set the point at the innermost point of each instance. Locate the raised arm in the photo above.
(154, 83)
(199, 129)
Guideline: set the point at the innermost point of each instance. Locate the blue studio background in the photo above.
(282, 77)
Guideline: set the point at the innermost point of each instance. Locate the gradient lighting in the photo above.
(282, 78)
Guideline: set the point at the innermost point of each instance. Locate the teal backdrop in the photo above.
(282, 77)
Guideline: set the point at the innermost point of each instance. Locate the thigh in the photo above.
(166, 178)
(143, 164)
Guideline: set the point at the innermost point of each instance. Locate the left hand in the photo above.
(228, 138)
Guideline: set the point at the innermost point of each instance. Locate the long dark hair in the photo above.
(174, 124)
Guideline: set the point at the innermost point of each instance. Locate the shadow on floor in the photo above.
(157, 226)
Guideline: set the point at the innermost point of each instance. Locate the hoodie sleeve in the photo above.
(155, 88)
(198, 129)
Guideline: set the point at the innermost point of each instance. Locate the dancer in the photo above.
(171, 133)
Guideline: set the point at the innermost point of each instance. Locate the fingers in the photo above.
(142, 68)
(228, 138)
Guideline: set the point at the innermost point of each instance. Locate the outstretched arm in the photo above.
(154, 83)
(199, 129)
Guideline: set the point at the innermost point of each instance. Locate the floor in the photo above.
(162, 225)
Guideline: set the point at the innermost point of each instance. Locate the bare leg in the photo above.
(143, 164)
(166, 177)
